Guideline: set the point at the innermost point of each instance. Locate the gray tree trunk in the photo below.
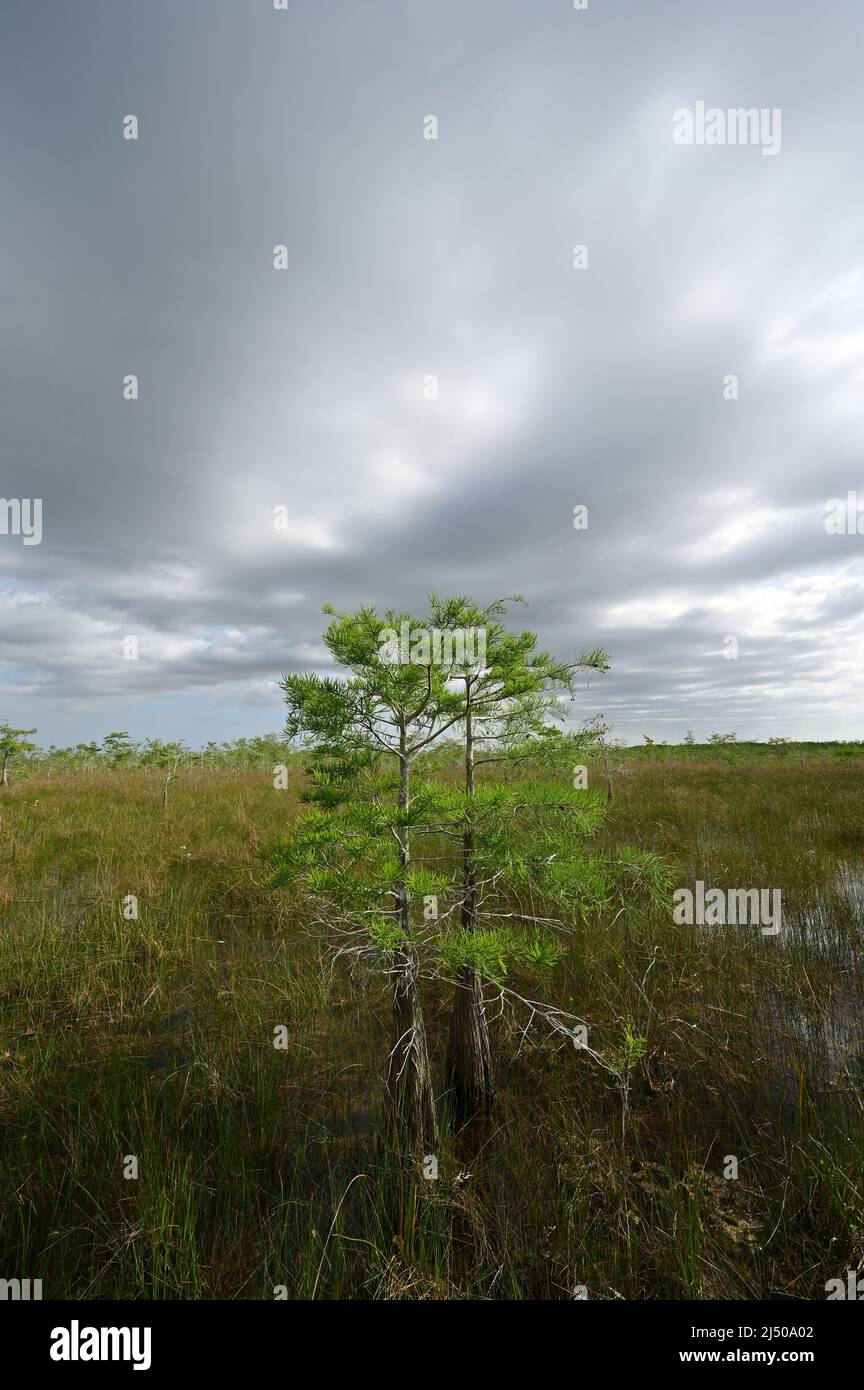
(606, 769)
(409, 1077)
(470, 1082)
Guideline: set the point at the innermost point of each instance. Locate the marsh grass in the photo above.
(262, 1168)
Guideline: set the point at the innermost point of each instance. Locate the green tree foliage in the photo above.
(13, 742)
(117, 752)
(509, 704)
(365, 734)
(470, 882)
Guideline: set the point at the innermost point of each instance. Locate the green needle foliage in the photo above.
(12, 742)
(510, 705)
(365, 734)
(472, 884)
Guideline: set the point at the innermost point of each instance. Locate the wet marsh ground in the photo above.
(258, 1168)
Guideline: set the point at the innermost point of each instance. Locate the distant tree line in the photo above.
(117, 751)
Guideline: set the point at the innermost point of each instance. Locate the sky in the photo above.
(436, 377)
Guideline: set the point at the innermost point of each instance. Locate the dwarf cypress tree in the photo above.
(12, 741)
(508, 858)
(509, 703)
(355, 853)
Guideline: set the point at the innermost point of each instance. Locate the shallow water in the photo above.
(820, 1039)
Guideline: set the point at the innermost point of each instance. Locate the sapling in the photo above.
(598, 728)
(365, 733)
(117, 748)
(12, 742)
(509, 704)
(501, 867)
(168, 757)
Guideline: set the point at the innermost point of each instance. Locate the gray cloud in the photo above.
(406, 258)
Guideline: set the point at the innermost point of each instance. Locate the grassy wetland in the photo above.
(266, 1171)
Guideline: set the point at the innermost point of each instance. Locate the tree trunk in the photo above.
(469, 1058)
(471, 1087)
(4, 782)
(409, 1078)
(606, 769)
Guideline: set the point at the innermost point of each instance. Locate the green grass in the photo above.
(261, 1167)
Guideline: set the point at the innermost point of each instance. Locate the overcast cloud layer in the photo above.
(410, 257)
